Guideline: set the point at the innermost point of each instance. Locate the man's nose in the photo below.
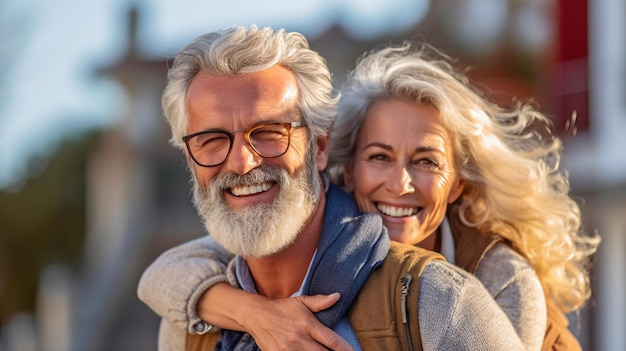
(242, 158)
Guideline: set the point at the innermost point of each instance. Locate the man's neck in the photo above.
(282, 274)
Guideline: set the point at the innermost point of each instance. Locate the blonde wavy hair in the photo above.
(509, 159)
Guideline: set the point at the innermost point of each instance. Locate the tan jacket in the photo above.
(388, 288)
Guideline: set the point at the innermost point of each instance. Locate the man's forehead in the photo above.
(269, 95)
(275, 86)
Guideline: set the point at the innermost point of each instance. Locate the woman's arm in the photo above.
(282, 324)
(457, 313)
(512, 282)
(172, 285)
(187, 286)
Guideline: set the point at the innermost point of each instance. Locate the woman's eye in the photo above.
(378, 157)
(426, 162)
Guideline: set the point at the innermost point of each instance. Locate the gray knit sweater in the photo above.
(172, 285)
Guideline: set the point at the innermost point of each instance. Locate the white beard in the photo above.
(263, 229)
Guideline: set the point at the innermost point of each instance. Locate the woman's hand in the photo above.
(289, 324)
(281, 324)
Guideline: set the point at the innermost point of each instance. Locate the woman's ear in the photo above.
(456, 191)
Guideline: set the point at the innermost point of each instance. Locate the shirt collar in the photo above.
(447, 241)
(245, 280)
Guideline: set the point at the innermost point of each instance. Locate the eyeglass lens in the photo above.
(212, 148)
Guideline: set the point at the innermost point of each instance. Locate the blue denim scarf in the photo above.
(351, 246)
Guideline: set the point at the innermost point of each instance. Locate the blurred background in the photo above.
(91, 192)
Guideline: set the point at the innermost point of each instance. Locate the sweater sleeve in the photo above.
(172, 285)
(512, 282)
(171, 338)
(457, 313)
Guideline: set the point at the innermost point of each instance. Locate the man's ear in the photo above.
(321, 153)
(190, 163)
(348, 179)
(191, 166)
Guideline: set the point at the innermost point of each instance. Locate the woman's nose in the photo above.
(402, 183)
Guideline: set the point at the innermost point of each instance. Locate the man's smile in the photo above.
(250, 189)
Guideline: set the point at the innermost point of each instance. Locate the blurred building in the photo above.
(597, 163)
(139, 203)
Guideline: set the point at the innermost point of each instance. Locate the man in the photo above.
(251, 108)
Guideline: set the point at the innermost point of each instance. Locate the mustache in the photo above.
(262, 174)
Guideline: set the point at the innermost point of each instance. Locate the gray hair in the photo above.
(509, 159)
(242, 50)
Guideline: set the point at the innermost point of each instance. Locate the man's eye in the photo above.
(268, 135)
(211, 141)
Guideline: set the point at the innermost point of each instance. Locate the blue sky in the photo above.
(49, 50)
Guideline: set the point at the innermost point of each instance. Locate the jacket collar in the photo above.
(470, 243)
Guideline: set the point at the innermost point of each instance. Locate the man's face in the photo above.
(253, 205)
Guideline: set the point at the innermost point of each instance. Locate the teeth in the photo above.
(250, 189)
(397, 211)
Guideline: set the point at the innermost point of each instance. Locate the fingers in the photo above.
(289, 324)
(318, 303)
(318, 331)
(330, 339)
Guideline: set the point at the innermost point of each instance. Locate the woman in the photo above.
(447, 170)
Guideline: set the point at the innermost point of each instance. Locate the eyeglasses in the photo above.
(210, 148)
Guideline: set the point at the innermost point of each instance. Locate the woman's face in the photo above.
(404, 169)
